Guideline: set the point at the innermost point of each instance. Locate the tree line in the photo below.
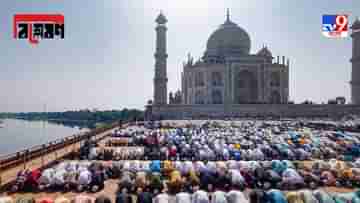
(87, 117)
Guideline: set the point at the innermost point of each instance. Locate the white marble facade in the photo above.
(226, 74)
(229, 73)
(237, 81)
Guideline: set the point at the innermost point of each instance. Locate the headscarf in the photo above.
(84, 178)
(155, 166)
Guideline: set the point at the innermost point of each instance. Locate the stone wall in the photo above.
(252, 110)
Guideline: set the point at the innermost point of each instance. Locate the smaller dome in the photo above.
(161, 19)
(264, 52)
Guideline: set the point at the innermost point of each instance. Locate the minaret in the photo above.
(355, 61)
(228, 15)
(160, 79)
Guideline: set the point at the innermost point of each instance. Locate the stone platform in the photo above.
(179, 111)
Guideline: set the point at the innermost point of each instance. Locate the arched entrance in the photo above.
(216, 79)
(275, 97)
(275, 79)
(217, 97)
(199, 97)
(246, 88)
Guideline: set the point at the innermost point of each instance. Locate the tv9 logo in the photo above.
(335, 26)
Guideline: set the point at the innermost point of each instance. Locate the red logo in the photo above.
(35, 27)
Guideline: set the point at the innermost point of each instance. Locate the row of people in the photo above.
(87, 175)
(64, 176)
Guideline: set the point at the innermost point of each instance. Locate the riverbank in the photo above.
(21, 134)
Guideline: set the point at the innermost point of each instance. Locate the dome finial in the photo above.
(161, 19)
(227, 14)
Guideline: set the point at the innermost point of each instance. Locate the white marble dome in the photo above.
(228, 39)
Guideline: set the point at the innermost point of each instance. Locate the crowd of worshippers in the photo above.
(201, 182)
(247, 142)
(200, 164)
(179, 175)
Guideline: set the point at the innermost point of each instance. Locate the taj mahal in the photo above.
(229, 80)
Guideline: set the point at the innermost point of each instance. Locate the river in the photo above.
(16, 134)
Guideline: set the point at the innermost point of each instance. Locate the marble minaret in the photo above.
(160, 79)
(355, 61)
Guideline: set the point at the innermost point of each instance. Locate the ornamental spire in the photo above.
(161, 19)
(228, 15)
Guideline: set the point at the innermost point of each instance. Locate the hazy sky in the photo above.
(106, 60)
